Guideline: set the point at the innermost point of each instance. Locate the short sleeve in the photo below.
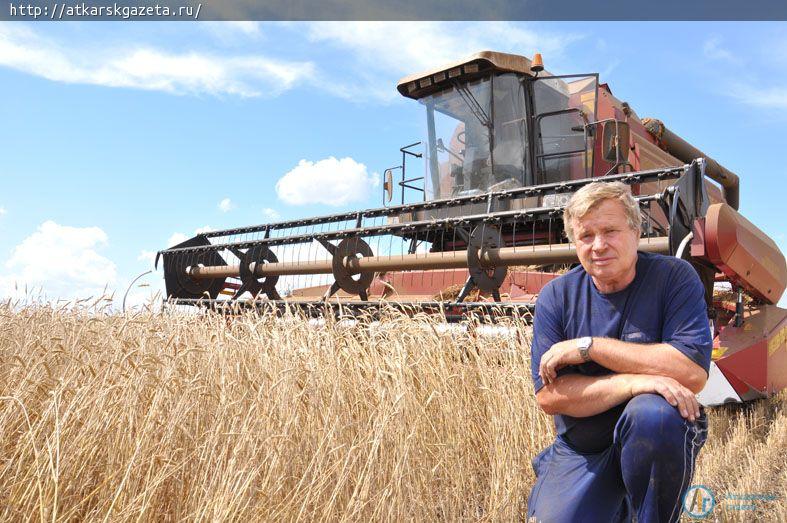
(547, 330)
(686, 325)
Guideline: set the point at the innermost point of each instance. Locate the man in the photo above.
(621, 345)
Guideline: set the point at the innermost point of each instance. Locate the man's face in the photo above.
(606, 245)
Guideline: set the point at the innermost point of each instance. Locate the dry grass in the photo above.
(168, 417)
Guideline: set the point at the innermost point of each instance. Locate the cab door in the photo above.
(563, 106)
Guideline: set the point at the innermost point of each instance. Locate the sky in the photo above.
(118, 139)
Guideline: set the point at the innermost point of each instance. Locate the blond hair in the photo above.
(591, 195)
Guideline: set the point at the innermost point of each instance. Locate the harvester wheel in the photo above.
(180, 284)
(352, 247)
(179, 265)
(483, 237)
(257, 286)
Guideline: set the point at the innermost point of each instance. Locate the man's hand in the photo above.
(558, 356)
(676, 394)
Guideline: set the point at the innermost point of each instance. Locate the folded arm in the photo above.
(654, 359)
(580, 396)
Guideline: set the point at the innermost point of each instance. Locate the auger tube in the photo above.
(540, 255)
(685, 152)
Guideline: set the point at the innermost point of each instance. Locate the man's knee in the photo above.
(653, 411)
(651, 419)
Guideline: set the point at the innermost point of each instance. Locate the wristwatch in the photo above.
(584, 344)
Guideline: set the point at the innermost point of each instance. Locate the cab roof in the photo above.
(417, 85)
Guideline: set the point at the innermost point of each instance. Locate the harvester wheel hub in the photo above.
(482, 238)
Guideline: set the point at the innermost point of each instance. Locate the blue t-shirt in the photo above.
(664, 304)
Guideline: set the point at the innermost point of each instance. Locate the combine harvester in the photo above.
(507, 144)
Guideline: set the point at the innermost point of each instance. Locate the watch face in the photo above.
(584, 344)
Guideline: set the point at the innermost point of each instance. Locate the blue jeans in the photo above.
(645, 471)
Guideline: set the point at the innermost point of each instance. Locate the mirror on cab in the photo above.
(615, 141)
(388, 186)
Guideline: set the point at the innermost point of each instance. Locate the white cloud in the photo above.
(376, 55)
(749, 89)
(271, 214)
(406, 48)
(59, 261)
(144, 67)
(754, 95)
(3, 211)
(329, 181)
(385, 51)
(226, 205)
(713, 49)
(206, 228)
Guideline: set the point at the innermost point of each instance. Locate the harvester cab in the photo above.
(506, 145)
(504, 126)
(496, 122)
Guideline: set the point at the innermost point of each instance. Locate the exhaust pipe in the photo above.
(685, 152)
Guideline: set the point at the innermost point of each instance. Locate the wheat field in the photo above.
(168, 417)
